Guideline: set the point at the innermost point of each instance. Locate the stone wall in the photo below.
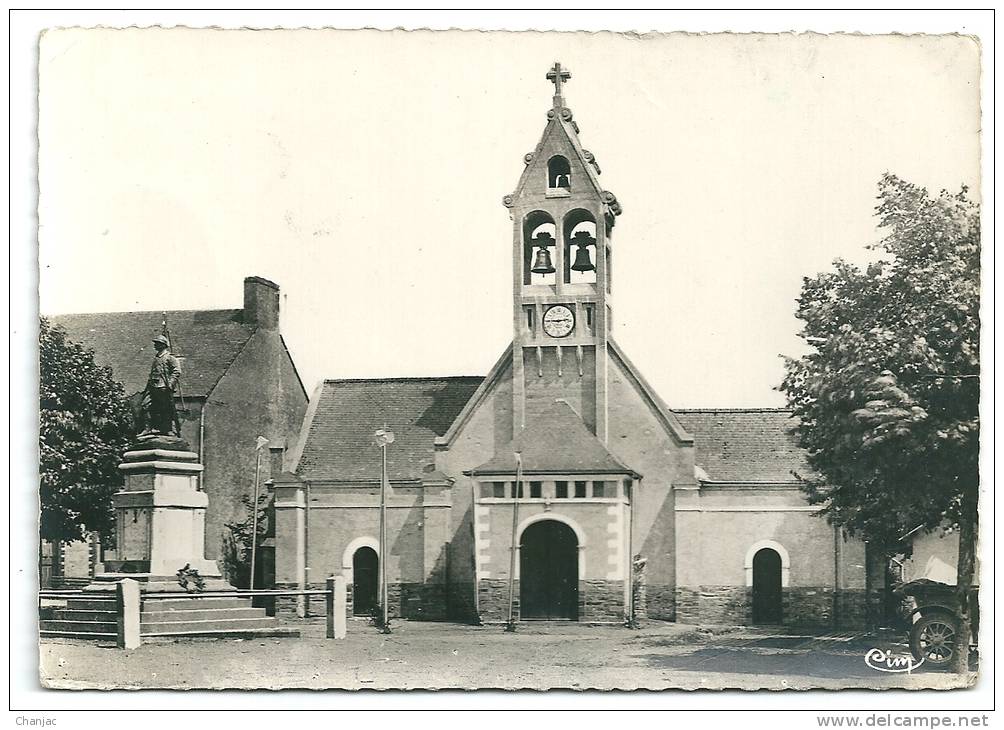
(800, 606)
(421, 601)
(291, 606)
(688, 605)
(414, 601)
(807, 606)
(600, 601)
(851, 611)
(661, 602)
(460, 602)
(493, 600)
(728, 605)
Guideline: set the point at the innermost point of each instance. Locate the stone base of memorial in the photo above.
(160, 518)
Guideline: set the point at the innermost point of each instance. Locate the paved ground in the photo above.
(541, 656)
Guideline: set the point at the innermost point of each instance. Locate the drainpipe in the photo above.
(306, 545)
(202, 437)
(836, 575)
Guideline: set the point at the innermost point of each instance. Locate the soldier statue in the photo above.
(157, 409)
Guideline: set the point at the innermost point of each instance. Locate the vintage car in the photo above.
(933, 613)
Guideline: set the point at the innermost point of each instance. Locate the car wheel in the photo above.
(932, 639)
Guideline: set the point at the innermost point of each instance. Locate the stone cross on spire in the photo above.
(557, 75)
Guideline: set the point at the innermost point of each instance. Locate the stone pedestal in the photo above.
(160, 518)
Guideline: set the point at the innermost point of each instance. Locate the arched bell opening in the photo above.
(539, 248)
(559, 173)
(579, 247)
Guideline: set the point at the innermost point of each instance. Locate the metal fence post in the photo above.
(335, 600)
(127, 613)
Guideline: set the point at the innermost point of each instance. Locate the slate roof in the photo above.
(750, 445)
(745, 444)
(339, 444)
(557, 442)
(207, 341)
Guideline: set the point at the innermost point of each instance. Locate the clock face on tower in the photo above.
(559, 321)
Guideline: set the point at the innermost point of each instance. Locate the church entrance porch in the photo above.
(572, 544)
(549, 572)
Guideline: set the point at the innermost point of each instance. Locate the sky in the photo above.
(363, 171)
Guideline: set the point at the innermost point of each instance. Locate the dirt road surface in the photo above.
(538, 656)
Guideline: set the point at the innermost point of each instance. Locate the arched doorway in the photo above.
(365, 579)
(767, 586)
(549, 571)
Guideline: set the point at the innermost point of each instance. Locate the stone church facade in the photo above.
(620, 506)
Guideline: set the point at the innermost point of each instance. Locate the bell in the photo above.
(582, 261)
(542, 263)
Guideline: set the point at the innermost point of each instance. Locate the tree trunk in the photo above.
(968, 531)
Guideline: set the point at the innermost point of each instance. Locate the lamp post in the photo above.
(261, 443)
(384, 437)
(510, 625)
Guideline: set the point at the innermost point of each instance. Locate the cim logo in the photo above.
(883, 660)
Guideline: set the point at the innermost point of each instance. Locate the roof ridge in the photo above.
(141, 311)
(404, 378)
(778, 409)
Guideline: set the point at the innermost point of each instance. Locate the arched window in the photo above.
(559, 173)
(539, 248)
(579, 240)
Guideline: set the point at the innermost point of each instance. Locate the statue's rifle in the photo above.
(181, 393)
(167, 333)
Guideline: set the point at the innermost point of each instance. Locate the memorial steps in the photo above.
(210, 617)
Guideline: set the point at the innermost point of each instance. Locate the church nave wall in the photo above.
(343, 520)
(820, 574)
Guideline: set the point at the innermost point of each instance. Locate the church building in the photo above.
(616, 505)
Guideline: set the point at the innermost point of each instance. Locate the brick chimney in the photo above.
(261, 302)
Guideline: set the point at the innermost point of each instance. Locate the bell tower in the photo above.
(562, 277)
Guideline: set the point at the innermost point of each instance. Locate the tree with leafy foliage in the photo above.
(85, 424)
(888, 399)
(237, 542)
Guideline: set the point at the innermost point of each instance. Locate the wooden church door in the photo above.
(766, 587)
(549, 572)
(365, 577)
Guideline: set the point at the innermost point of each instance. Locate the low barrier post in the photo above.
(127, 613)
(335, 600)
